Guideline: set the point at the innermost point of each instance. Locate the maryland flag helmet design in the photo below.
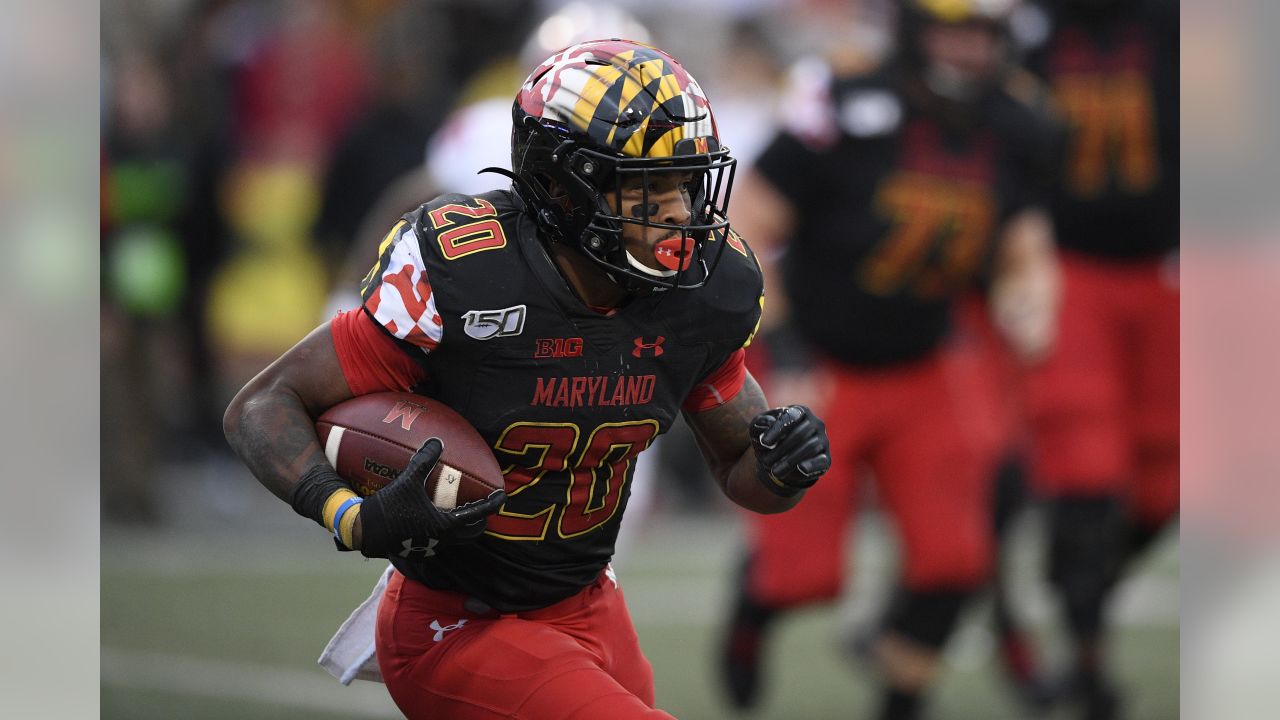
(603, 113)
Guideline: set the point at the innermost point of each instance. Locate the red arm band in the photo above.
(720, 386)
(371, 361)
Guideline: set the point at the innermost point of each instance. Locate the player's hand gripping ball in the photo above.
(369, 440)
(792, 450)
(400, 519)
(426, 475)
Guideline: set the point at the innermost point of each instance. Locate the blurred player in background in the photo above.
(896, 191)
(1105, 404)
(612, 240)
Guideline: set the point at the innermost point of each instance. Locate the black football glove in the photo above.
(401, 521)
(792, 450)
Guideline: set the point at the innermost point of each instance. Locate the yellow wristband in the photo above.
(347, 526)
(331, 505)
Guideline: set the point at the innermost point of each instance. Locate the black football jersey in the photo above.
(566, 396)
(1113, 73)
(897, 213)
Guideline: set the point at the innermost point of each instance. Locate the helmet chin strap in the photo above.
(633, 262)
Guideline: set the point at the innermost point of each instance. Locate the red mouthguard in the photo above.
(674, 253)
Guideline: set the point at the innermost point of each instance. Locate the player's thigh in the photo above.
(986, 377)
(612, 634)
(798, 556)
(1077, 396)
(509, 668)
(935, 483)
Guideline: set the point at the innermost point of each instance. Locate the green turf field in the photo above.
(212, 624)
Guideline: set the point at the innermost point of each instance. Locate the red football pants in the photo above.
(911, 425)
(1104, 406)
(578, 659)
(997, 378)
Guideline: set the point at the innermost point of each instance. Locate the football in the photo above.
(369, 439)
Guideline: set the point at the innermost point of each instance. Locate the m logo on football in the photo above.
(654, 348)
(489, 324)
(405, 412)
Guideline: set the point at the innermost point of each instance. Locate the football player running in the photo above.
(1105, 404)
(612, 239)
(896, 192)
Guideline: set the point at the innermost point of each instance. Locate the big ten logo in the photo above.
(557, 347)
(405, 412)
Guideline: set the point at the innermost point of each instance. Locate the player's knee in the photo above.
(622, 706)
(783, 591)
(1153, 513)
(1157, 493)
(1086, 542)
(782, 582)
(581, 692)
(926, 617)
(1084, 533)
(961, 560)
(1010, 492)
(1082, 456)
(969, 573)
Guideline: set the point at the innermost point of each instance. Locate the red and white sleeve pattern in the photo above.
(400, 298)
(370, 360)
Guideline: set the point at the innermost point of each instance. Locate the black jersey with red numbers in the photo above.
(565, 395)
(896, 213)
(1113, 72)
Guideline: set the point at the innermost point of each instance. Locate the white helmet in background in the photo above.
(578, 22)
(478, 135)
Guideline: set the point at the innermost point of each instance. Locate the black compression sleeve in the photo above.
(309, 495)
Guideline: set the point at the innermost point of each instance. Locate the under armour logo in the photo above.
(440, 631)
(425, 550)
(641, 346)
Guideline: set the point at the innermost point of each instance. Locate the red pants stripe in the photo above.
(574, 660)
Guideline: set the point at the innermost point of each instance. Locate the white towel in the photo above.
(350, 653)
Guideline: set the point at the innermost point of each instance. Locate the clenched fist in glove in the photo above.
(792, 450)
(401, 520)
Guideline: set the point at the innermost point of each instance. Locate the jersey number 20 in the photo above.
(598, 471)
